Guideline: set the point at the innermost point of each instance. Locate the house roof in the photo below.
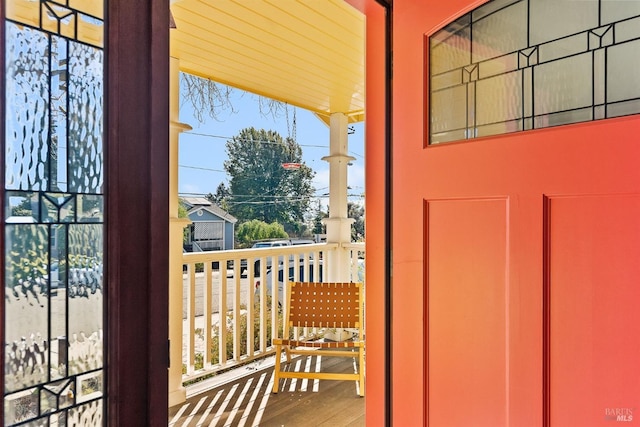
(306, 53)
(196, 201)
(195, 204)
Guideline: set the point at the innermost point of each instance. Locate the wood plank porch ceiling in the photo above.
(307, 53)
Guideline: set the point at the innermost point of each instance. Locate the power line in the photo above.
(200, 168)
(317, 196)
(264, 141)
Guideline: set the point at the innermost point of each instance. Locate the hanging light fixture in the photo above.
(291, 165)
(292, 136)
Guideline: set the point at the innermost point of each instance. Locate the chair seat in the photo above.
(318, 344)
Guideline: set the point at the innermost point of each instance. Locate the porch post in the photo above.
(177, 393)
(338, 225)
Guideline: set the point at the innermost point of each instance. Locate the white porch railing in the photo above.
(229, 316)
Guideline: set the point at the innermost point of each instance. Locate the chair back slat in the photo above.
(325, 305)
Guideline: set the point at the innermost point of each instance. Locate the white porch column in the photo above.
(338, 225)
(177, 393)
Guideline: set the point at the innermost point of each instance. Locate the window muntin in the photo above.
(513, 65)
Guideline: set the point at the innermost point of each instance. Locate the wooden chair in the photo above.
(322, 305)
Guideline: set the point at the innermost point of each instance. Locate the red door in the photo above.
(516, 257)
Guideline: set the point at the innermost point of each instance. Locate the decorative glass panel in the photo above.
(513, 65)
(53, 210)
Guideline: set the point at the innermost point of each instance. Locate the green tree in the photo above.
(221, 197)
(182, 213)
(260, 188)
(356, 212)
(23, 208)
(318, 226)
(250, 231)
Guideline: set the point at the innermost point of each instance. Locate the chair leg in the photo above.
(361, 371)
(276, 379)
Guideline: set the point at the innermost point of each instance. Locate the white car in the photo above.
(302, 277)
(272, 244)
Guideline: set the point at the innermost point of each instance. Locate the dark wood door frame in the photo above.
(137, 165)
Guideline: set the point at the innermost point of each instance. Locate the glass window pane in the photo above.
(563, 85)
(617, 10)
(623, 108)
(499, 128)
(564, 118)
(26, 305)
(450, 49)
(553, 19)
(627, 30)
(491, 7)
(499, 99)
(85, 128)
(563, 47)
(623, 78)
(489, 39)
(449, 109)
(500, 65)
(457, 135)
(21, 207)
(27, 109)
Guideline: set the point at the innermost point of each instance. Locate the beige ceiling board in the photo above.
(308, 53)
(250, 78)
(279, 44)
(226, 53)
(256, 61)
(297, 99)
(334, 39)
(223, 59)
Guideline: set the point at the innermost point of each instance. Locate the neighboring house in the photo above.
(212, 227)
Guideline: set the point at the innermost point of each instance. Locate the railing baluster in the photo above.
(191, 318)
(222, 317)
(236, 311)
(250, 308)
(207, 313)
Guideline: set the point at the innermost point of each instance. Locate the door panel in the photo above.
(594, 334)
(467, 323)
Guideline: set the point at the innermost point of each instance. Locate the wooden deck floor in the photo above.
(248, 401)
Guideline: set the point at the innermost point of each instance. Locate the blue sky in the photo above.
(202, 150)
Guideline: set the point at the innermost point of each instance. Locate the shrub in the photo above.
(215, 346)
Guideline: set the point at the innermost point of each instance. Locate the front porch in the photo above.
(243, 397)
(226, 376)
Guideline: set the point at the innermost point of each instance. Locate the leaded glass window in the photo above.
(53, 212)
(513, 65)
